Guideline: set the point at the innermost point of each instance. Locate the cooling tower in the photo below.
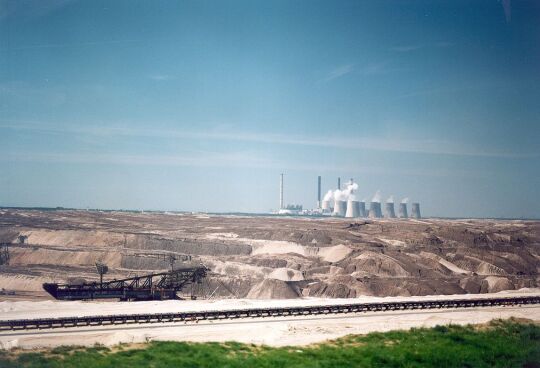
(389, 210)
(415, 210)
(403, 210)
(363, 209)
(340, 208)
(375, 210)
(326, 207)
(353, 209)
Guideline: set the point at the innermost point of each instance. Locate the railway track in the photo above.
(120, 319)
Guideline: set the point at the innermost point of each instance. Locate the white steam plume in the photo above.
(390, 199)
(346, 194)
(377, 197)
(405, 200)
(328, 196)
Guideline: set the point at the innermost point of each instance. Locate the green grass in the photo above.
(500, 344)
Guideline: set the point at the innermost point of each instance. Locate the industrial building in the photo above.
(342, 202)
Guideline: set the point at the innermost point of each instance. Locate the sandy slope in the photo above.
(317, 257)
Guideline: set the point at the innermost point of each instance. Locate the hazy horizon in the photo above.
(200, 105)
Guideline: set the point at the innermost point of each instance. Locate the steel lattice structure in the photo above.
(156, 286)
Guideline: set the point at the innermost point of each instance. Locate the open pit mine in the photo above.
(267, 257)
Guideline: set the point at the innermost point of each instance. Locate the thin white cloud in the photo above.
(201, 159)
(443, 44)
(366, 70)
(214, 159)
(425, 146)
(406, 48)
(339, 72)
(415, 47)
(375, 68)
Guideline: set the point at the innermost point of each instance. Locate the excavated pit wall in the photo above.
(331, 257)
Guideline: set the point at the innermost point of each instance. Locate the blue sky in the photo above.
(199, 105)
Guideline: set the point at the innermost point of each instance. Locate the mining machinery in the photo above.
(155, 286)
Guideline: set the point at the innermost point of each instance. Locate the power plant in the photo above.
(326, 207)
(343, 203)
(340, 208)
(389, 210)
(415, 211)
(403, 210)
(353, 209)
(375, 210)
(362, 211)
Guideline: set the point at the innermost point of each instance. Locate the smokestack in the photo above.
(340, 208)
(415, 211)
(319, 192)
(362, 212)
(390, 210)
(403, 210)
(339, 183)
(353, 209)
(375, 210)
(281, 192)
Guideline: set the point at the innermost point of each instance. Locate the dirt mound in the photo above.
(279, 247)
(443, 262)
(485, 268)
(372, 263)
(471, 285)
(337, 259)
(332, 290)
(335, 253)
(285, 274)
(494, 284)
(236, 269)
(273, 289)
(270, 261)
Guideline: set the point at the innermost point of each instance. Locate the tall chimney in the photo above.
(339, 183)
(389, 209)
(375, 210)
(281, 192)
(403, 210)
(319, 192)
(415, 210)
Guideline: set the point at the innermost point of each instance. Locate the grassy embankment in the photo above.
(498, 344)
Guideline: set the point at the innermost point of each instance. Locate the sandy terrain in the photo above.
(273, 257)
(10, 310)
(270, 331)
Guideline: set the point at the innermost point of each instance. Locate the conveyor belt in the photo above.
(118, 319)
